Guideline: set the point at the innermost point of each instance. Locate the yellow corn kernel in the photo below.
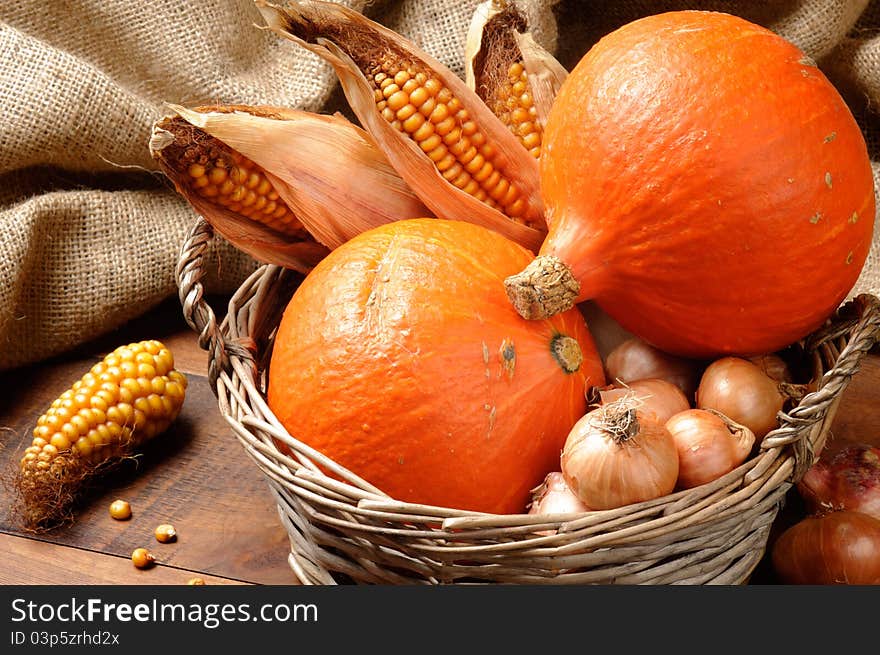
(165, 533)
(120, 510)
(59, 441)
(419, 105)
(142, 558)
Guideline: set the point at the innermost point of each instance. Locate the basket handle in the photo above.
(860, 319)
(196, 311)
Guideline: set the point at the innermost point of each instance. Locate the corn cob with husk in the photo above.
(516, 78)
(442, 139)
(284, 185)
(131, 396)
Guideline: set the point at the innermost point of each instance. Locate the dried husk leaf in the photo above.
(499, 36)
(489, 41)
(327, 170)
(339, 35)
(545, 74)
(473, 45)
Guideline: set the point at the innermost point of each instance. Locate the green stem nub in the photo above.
(543, 289)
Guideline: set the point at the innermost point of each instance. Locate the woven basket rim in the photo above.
(312, 503)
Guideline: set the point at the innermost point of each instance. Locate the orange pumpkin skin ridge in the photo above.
(684, 126)
(400, 358)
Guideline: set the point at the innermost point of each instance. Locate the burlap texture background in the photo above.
(91, 231)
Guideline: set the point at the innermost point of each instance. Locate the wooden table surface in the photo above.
(197, 477)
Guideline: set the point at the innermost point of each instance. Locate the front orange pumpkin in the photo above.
(400, 357)
(705, 184)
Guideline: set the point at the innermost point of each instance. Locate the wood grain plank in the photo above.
(29, 562)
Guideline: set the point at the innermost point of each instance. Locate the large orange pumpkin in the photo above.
(400, 357)
(705, 184)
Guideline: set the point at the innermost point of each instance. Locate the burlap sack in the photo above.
(91, 231)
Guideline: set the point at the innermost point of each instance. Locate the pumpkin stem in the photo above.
(567, 352)
(543, 288)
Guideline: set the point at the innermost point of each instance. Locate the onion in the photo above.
(840, 547)
(616, 455)
(654, 396)
(849, 479)
(773, 366)
(634, 359)
(709, 445)
(740, 390)
(554, 496)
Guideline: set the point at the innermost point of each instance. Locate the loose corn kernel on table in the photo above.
(197, 478)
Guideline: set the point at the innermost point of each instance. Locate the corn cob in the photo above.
(418, 104)
(129, 397)
(226, 179)
(439, 135)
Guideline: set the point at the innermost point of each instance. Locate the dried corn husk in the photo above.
(346, 39)
(327, 170)
(498, 38)
(545, 73)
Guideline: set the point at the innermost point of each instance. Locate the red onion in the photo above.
(836, 548)
(848, 479)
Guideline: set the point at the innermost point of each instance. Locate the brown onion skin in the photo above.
(773, 366)
(740, 390)
(607, 472)
(659, 397)
(846, 479)
(634, 359)
(554, 496)
(707, 448)
(837, 548)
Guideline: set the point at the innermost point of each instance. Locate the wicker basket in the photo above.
(352, 532)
